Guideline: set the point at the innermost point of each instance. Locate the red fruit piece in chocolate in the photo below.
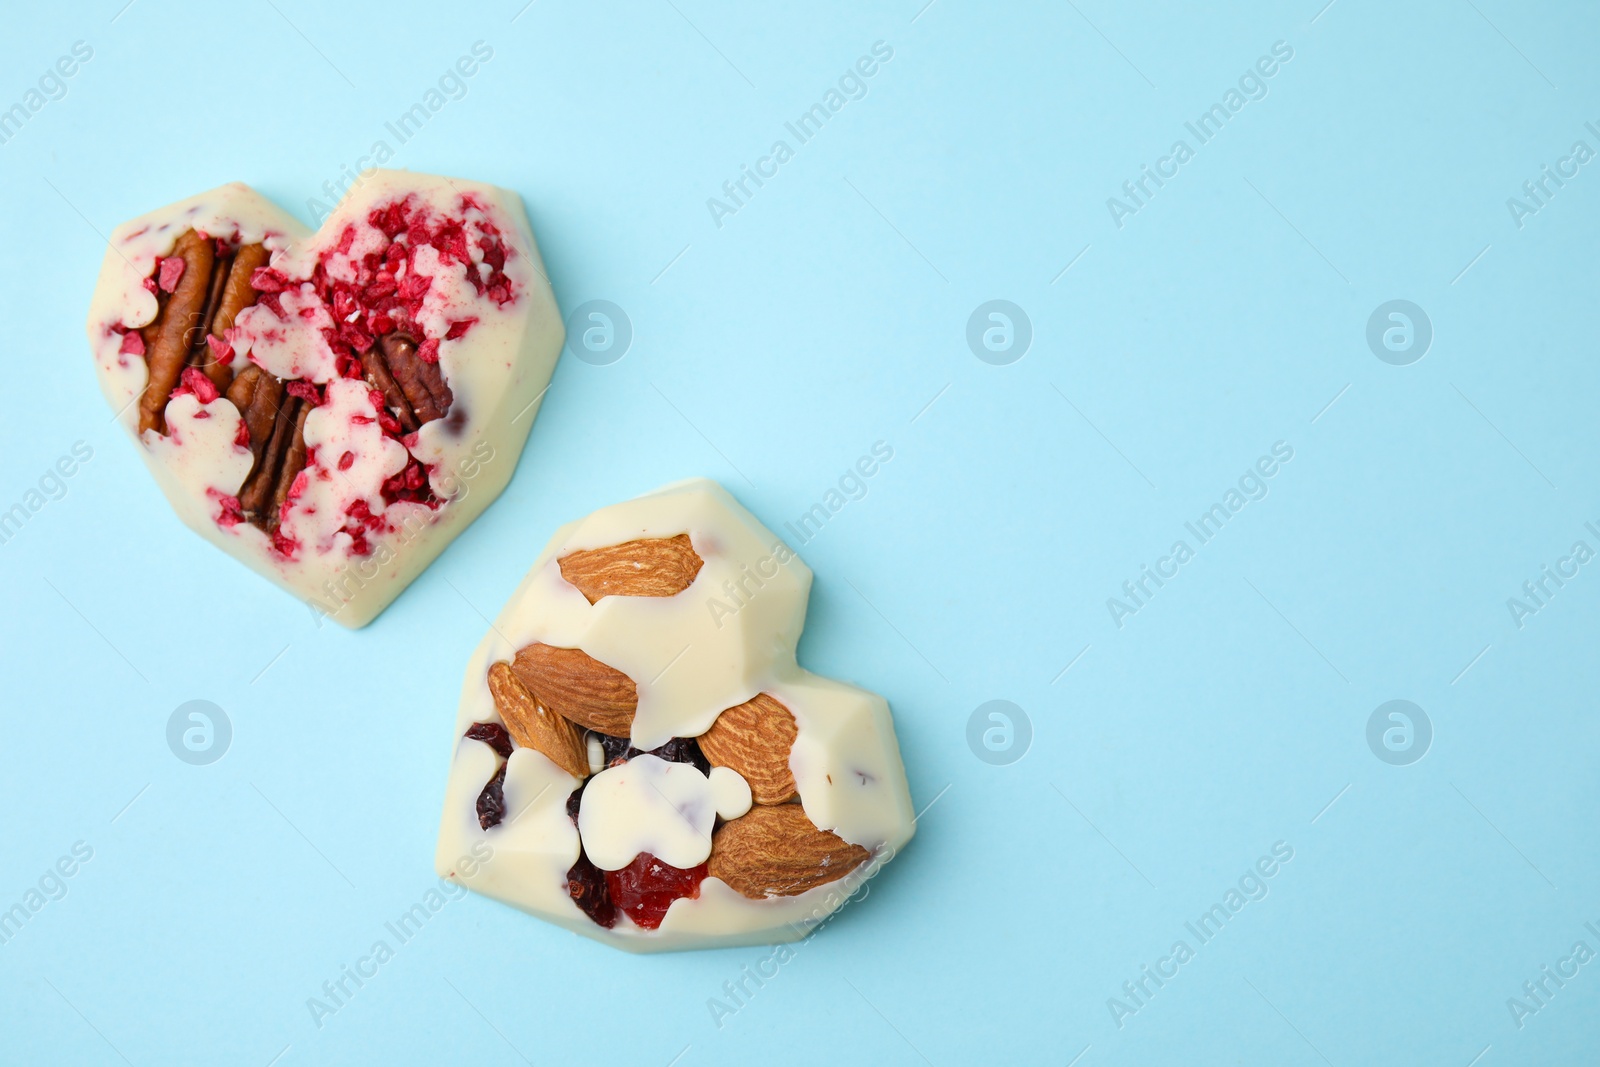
(646, 888)
(492, 734)
(194, 381)
(305, 391)
(132, 344)
(492, 801)
(269, 280)
(589, 889)
(170, 273)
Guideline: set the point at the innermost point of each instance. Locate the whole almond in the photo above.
(579, 687)
(754, 739)
(777, 851)
(532, 725)
(656, 566)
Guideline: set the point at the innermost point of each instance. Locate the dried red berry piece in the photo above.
(492, 734)
(683, 750)
(492, 801)
(305, 390)
(269, 280)
(646, 888)
(618, 750)
(587, 885)
(170, 272)
(194, 381)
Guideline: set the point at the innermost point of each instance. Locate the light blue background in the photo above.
(827, 314)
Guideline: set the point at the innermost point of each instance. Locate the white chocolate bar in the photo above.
(727, 637)
(344, 541)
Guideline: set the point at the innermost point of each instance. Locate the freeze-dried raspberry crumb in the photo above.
(269, 280)
(241, 438)
(387, 422)
(344, 303)
(646, 888)
(346, 461)
(349, 366)
(170, 272)
(428, 351)
(132, 344)
(458, 329)
(354, 336)
(492, 734)
(228, 513)
(305, 391)
(150, 283)
(194, 381)
(346, 240)
(391, 219)
(283, 544)
(297, 488)
(414, 287)
(221, 350)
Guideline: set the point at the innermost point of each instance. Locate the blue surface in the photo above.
(1229, 713)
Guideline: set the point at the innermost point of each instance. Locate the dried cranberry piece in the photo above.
(575, 801)
(646, 888)
(589, 889)
(492, 801)
(616, 750)
(619, 750)
(683, 750)
(490, 733)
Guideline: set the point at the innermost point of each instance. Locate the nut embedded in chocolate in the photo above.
(780, 803)
(167, 338)
(421, 382)
(419, 299)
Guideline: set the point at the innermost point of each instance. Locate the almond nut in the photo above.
(754, 739)
(776, 851)
(579, 687)
(656, 566)
(532, 725)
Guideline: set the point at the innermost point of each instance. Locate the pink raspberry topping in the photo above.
(194, 382)
(170, 273)
(305, 391)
